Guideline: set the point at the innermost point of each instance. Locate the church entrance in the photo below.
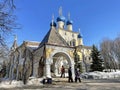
(60, 59)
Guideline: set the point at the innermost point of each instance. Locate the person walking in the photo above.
(62, 72)
(77, 75)
(70, 79)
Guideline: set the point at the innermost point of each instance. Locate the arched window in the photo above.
(70, 43)
(65, 33)
(74, 42)
(72, 35)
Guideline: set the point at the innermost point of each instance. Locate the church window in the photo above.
(63, 26)
(72, 35)
(65, 33)
(70, 43)
(89, 58)
(73, 43)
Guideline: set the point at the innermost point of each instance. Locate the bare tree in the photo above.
(7, 19)
(117, 50)
(110, 50)
(7, 24)
(3, 51)
(108, 54)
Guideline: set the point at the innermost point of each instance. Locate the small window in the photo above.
(65, 33)
(89, 58)
(70, 43)
(72, 35)
(73, 43)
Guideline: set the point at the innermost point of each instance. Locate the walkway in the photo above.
(62, 84)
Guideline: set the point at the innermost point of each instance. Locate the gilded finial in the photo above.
(68, 15)
(15, 37)
(79, 30)
(52, 19)
(60, 11)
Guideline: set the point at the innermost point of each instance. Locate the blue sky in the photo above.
(96, 19)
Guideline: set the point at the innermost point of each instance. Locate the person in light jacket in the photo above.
(77, 75)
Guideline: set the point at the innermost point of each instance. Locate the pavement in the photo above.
(86, 84)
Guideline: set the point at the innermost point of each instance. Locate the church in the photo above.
(45, 58)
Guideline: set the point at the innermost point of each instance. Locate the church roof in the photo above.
(31, 45)
(69, 22)
(79, 36)
(61, 18)
(53, 37)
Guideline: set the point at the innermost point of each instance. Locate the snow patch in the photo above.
(6, 83)
(11, 84)
(101, 75)
(34, 81)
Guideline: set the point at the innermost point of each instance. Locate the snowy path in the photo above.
(97, 81)
(87, 85)
(62, 84)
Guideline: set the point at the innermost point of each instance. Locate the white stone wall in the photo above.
(68, 35)
(61, 24)
(37, 55)
(64, 51)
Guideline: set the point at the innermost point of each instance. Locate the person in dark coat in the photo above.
(77, 75)
(70, 79)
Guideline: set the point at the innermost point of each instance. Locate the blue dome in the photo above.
(54, 24)
(69, 22)
(61, 18)
(79, 36)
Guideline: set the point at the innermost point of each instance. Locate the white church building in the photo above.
(46, 57)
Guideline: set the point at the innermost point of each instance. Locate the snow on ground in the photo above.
(11, 84)
(34, 81)
(6, 83)
(101, 75)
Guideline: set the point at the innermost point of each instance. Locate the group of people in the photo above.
(70, 79)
